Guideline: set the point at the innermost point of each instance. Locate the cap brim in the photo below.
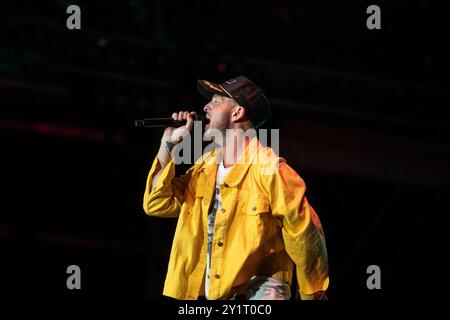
(208, 89)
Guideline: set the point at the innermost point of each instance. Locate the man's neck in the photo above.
(233, 148)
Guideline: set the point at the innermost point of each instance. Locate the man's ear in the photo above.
(238, 114)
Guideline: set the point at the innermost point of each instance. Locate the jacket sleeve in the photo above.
(301, 229)
(166, 198)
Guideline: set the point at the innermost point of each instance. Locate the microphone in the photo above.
(163, 122)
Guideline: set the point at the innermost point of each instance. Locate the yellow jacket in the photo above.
(265, 225)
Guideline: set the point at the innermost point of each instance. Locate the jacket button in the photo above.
(220, 243)
(217, 276)
(254, 208)
(222, 209)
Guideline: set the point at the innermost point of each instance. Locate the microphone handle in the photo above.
(163, 122)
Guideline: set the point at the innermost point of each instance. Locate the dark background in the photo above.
(362, 118)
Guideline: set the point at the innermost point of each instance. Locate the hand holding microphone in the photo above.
(175, 135)
(177, 127)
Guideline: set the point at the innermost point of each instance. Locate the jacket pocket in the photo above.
(254, 206)
(254, 218)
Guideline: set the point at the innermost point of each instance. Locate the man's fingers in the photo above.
(185, 115)
(190, 121)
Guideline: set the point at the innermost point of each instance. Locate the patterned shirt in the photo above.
(215, 205)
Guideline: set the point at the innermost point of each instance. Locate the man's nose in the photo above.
(206, 107)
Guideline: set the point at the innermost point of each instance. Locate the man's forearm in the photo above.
(164, 157)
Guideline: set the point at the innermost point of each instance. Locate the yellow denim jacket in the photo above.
(264, 226)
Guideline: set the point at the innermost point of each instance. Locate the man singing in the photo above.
(243, 217)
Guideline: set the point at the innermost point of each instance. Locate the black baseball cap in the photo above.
(245, 92)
